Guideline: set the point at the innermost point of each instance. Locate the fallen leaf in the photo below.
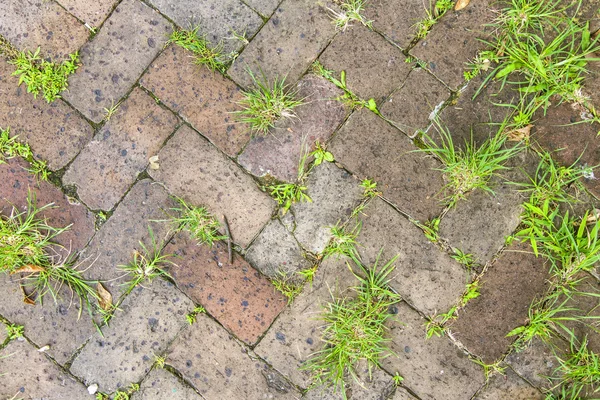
(460, 4)
(27, 297)
(29, 268)
(154, 162)
(104, 297)
(519, 134)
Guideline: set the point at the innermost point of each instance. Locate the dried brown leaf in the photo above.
(29, 268)
(27, 297)
(154, 162)
(520, 134)
(104, 297)
(460, 4)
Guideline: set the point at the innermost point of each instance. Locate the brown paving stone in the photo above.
(192, 168)
(454, 41)
(220, 368)
(396, 19)
(264, 7)
(334, 194)
(29, 24)
(161, 384)
(116, 57)
(217, 20)
(288, 44)
(115, 243)
(92, 12)
(508, 385)
(425, 275)
(203, 98)
(411, 106)
(27, 373)
(407, 179)
(240, 298)
(54, 131)
(110, 163)
(148, 320)
(433, 368)
(507, 289)
(278, 153)
(374, 67)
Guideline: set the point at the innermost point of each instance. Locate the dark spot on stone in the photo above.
(153, 22)
(98, 99)
(153, 322)
(196, 375)
(228, 372)
(151, 42)
(123, 152)
(22, 389)
(280, 336)
(98, 92)
(115, 78)
(188, 363)
(245, 303)
(309, 341)
(62, 310)
(393, 310)
(275, 21)
(146, 358)
(407, 349)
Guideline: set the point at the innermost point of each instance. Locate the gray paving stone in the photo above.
(402, 394)
(110, 163)
(3, 333)
(55, 132)
(425, 275)
(150, 318)
(407, 178)
(92, 12)
(29, 24)
(433, 368)
(410, 108)
(192, 168)
(217, 20)
(508, 386)
(264, 7)
(334, 195)
(119, 237)
(203, 98)
(220, 368)
(161, 384)
(278, 153)
(116, 57)
(276, 251)
(397, 19)
(296, 334)
(288, 44)
(374, 67)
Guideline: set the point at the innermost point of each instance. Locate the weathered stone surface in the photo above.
(402, 394)
(161, 384)
(112, 62)
(55, 132)
(410, 107)
(371, 148)
(240, 298)
(275, 251)
(460, 31)
(92, 12)
(264, 7)
(279, 153)
(192, 168)
(507, 288)
(27, 373)
(374, 67)
(425, 275)
(287, 45)
(433, 368)
(115, 243)
(508, 385)
(109, 164)
(334, 195)
(397, 19)
(203, 98)
(150, 318)
(3, 334)
(217, 20)
(29, 24)
(221, 369)
(296, 334)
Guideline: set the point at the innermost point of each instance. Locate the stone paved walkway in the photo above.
(250, 344)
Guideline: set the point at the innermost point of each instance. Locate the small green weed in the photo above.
(320, 154)
(580, 369)
(398, 379)
(435, 324)
(309, 273)
(204, 53)
(191, 317)
(465, 259)
(370, 188)
(489, 369)
(14, 331)
(439, 9)
(160, 361)
(286, 286)
(201, 225)
(351, 11)
(11, 147)
(287, 194)
(112, 110)
(343, 242)
(431, 228)
(126, 394)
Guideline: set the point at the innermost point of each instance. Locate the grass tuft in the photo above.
(350, 11)
(201, 225)
(11, 147)
(204, 53)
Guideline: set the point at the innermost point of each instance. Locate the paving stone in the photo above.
(408, 179)
(220, 368)
(334, 194)
(27, 373)
(264, 7)
(3, 333)
(120, 236)
(110, 163)
(91, 12)
(161, 384)
(192, 168)
(278, 153)
(296, 334)
(113, 61)
(425, 275)
(507, 288)
(55, 132)
(287, 45)
(374, 67)
(411, 107)
(402, 394)
(240, 298)
(150, 318)
(203, 98)
(460, 31)
(433, 368)
(396, 19)
(508, 385)
(29, 24)
(217, 20)
(275, 251)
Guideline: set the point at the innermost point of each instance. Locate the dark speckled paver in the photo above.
(91, 12)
